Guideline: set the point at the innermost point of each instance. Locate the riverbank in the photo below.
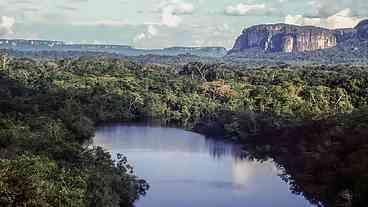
(180, 166)
(324, 160)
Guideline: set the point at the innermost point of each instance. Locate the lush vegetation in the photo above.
(44, 160)
(48, 110)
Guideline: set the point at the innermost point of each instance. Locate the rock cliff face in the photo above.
(362, 30)
(292, 38)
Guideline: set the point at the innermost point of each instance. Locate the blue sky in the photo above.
(165, 23)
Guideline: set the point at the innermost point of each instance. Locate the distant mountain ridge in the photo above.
(291, 38)
(260, 43)
(45, 45)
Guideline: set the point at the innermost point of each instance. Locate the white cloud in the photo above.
(168, 17)
(150, 32)
(342, 19)
(6, 25)
(139, 37)
(244, 9)
(326, 8)
(170, 11)
(184, 8)
(178, 6)
(188, 35)
(301, 20)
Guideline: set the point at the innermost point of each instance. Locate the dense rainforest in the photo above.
(311, 119)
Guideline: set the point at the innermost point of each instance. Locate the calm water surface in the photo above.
(185, 169)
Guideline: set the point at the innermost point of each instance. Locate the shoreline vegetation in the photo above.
(311, 119)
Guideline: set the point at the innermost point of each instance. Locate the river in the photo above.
(185, 169)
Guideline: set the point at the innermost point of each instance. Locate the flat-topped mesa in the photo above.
(292, 38)
(285, 38)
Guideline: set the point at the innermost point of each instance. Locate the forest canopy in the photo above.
(49, 108)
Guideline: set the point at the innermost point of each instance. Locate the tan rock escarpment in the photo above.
(292, 38)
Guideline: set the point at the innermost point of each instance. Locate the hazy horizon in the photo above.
(153, 24)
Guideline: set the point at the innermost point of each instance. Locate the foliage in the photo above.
(48, 110)
(35, 181)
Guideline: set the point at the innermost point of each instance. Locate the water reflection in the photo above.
(186, 169)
